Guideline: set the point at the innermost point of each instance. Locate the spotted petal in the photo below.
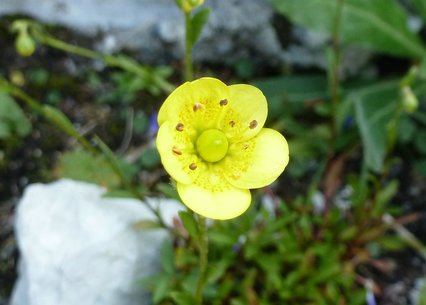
(224, 204)
(249, 107)
(176, 152)
(256, 162)
(197, 103)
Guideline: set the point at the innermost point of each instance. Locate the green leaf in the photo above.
(406, 130)
(12, 119)
(375, 106)
(189, 223)
(422, 295)
(379, 25)
(420, 6)
(167, 257)
(84, 166)
(150, 158)
(392, 243)
(198, 21)
(420, 166)
(420, 141)
(183, 298)
(146, 224)
(295, 89)
(383, 197)
(168, 190)
(161, 289)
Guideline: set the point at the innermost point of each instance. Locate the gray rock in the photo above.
(156, 27)
(236, 29)
(80, 248)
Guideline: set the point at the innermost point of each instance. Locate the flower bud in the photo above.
(189, 5)
(25, 45)
(410, 102)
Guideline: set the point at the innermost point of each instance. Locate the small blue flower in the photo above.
(153, 124)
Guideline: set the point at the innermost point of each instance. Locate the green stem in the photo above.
(62, 123)
(189, 73)
(122, 62)
(203, 248)
(65, 126)
(335, 79)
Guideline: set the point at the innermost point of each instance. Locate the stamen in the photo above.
(253, 124)
(245, 146)
(176, 150)
(197, 106)
(223, 102)
(193, 166)
(232, 123)
(179, 127)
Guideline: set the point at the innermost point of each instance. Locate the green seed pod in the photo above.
(410, 102)
(25, 45)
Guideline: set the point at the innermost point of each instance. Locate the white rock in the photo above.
(80, 248)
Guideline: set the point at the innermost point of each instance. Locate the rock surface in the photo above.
(80, 248)
(156, 27)
(237, 30)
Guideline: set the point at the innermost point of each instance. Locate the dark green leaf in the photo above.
(197, 23)
(420, 141)
(183, 298)
(12, 119)
(375, 107)
(420, 6)
(420, 166)
(279, 91)
(406, 130)
(150, 158)
(380, 24)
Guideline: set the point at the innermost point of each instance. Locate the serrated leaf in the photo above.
(379, 25)
(189, 223)
(198, 21)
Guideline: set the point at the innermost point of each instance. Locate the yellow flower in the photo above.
(211, 141)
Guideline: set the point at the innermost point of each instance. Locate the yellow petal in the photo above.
(177, 152)
(249, 108)
(197, 103)
(226, 204)
(258, 161)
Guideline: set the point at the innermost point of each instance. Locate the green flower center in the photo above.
(212, 145)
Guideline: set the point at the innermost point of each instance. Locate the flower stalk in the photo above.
(189, 71)
(203, 249)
